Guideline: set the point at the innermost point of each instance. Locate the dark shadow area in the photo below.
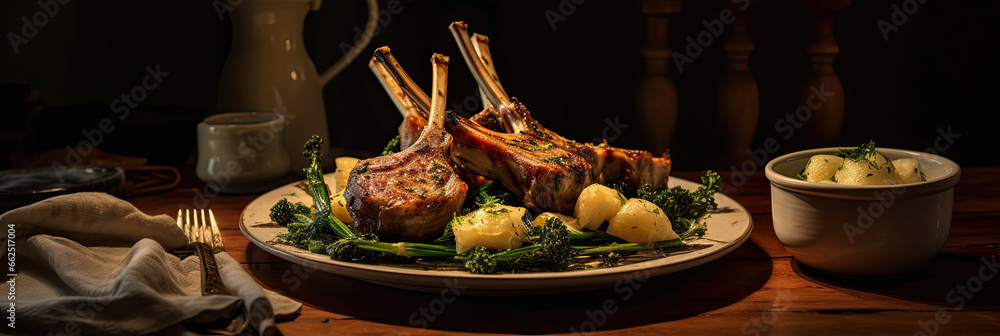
(629, 304)
(950, 281)
(577, 74)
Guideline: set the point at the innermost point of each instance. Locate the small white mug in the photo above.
(242, 152)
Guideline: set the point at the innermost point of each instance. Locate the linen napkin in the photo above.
(92, 264)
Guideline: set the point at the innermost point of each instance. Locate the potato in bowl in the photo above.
(858, 230)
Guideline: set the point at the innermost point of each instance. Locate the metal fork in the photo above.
(204, 239)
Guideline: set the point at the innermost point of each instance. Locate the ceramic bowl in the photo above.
(20, 187)
(242, 152)
(864, 231)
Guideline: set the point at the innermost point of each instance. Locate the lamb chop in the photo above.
(609, 163)
(545, 177)
(410, 195)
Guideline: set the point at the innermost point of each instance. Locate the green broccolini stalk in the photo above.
(447, 237)
(350, 250)
(317, 187)
(304, 232)
(368, 249)
(555, 252)
(314, 174)
(694, 231)
(480, 261)
(285, 212)
(628, 247)
(407, 248)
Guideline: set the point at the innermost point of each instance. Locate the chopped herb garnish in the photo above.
(864, 152)
(559, 159)
(486, 200)
(496, 211)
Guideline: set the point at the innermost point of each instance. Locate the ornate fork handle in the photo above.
(204, 239)
(211, 279)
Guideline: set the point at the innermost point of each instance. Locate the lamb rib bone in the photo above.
(414, 118)
(610, 163)
(547, 178)
(395, 80)
(489, 117)
(482, 45)
(410, 195)
(390, 74)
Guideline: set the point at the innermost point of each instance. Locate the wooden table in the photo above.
(755, 290)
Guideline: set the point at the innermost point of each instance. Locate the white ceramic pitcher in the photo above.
(268, 69)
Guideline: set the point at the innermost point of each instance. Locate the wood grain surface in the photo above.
(757, 289)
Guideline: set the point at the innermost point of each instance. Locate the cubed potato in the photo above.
(596, 204)
(343, 171)
(879, 171)
(908, 170)
(499, 227)
(822, 167)
(338, 206)
(640, 221)
(570, 222)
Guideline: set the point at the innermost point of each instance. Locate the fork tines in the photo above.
(199, 225)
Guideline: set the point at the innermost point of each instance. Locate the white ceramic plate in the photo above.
(728, 227)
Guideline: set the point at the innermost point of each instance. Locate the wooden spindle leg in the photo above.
(821, 105)
(656, 97)
(738, 102)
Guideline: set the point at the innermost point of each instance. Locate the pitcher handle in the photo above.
(366, 37)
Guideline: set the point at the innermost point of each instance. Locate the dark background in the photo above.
(939, 70)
